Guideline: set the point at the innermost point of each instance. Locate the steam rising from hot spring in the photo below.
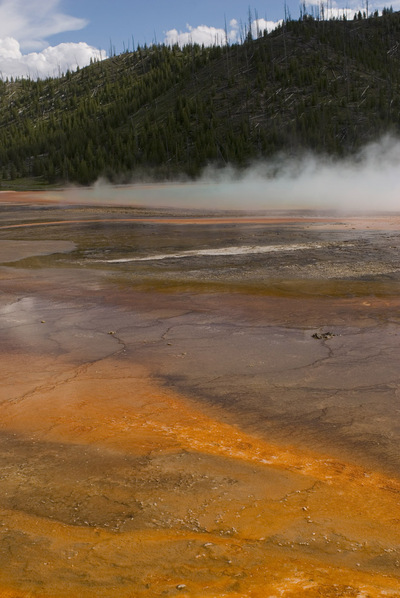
(370, 181)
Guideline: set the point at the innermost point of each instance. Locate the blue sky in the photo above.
(119, 20)
(40, 38)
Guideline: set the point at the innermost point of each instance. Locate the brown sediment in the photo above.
(18, 250)
(28, 197)
(373, 222)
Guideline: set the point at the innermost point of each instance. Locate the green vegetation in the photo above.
(328, 86)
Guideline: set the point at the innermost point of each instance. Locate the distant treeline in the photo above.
(328, 86)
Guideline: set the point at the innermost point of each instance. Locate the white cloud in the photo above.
(211, 36)
(31, 22)
(9, 49)
(330, 9)
(333, 10)
(50, 62)
(261, 25)
(24, 52)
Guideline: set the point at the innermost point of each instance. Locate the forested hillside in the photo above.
(329, 86)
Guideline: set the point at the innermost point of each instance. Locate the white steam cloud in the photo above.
(367, 182)
(24, 51)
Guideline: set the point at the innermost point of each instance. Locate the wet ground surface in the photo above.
(198, 406)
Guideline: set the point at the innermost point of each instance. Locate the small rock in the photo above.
(43, 321)
(180, 586)
(323, 335)
(111, 332)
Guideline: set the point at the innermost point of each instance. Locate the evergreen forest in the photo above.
(329, 86)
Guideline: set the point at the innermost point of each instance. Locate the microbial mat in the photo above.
(197, 403)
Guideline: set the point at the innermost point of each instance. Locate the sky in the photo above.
(41, 38)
